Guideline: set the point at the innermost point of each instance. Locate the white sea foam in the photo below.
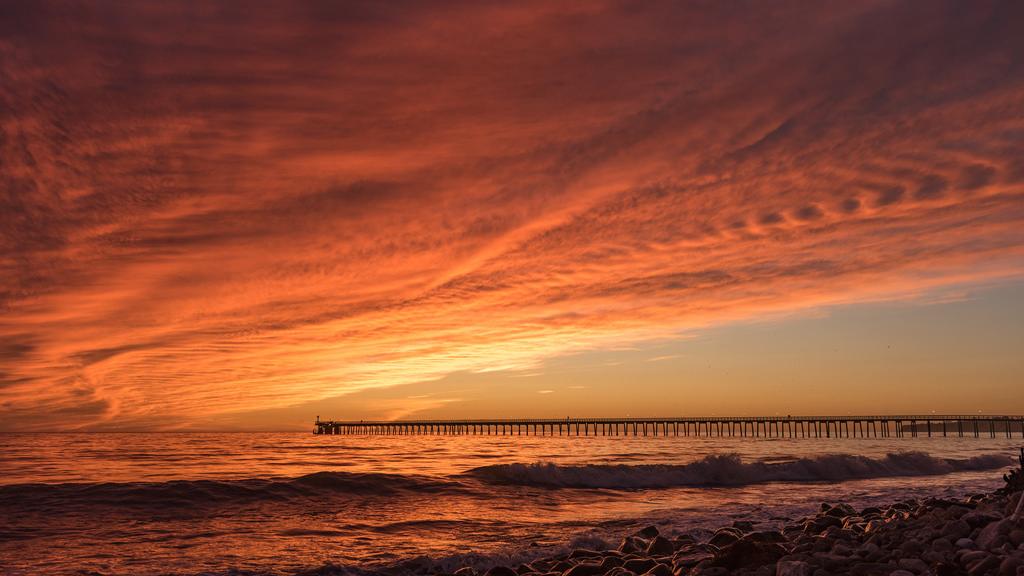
(731, 470)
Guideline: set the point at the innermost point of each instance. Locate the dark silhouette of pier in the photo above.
(754, 427)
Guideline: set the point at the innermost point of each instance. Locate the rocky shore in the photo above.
(979, 535)
(942, 537)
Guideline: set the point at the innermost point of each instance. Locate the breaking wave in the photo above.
(189, 493)
(730, 470)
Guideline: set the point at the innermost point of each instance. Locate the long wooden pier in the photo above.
(753, 427)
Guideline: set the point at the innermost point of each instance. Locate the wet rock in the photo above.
(647, 532)
(524, 569)
(829, 561)
(584, 569)
(987, 565)
(749, 553)
(821, 523)
(869, 569)
(585, 553)
(466, 571)
(932, 557)
(501, 571)
(874, 525)
(994, 534)
(766, 536)
(632, 545)
(957, 511)
(947, 569)
(841, 511)
(912, 548)
(743, 525)
(978, 518)
(1011, 566)
(683, 540)
(561, 566)
(724, 537)
(702, 570)
(841, 549)
(901, 572)
(660, 546)
(956, 529)
(690, 557)
(971, 556)
(639, 565)
(659, 570)
(915, 565)
(609, 562)
(965, 543)
(792, 568)
(619, 571)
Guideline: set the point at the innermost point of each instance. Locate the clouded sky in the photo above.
(236, 214)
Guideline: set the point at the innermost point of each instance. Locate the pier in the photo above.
(975, 426)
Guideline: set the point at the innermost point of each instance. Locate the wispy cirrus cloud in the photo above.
(237, 207)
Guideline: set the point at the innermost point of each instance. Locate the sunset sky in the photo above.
(241, 215)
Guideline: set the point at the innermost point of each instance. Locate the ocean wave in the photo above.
(176, 494)
(730, 470)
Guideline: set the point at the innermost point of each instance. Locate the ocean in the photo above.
(284, 503)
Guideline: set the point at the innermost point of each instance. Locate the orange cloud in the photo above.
(230, 208)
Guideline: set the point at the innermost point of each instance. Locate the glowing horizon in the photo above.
(217, 215)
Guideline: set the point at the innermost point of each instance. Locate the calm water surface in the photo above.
(279, 503)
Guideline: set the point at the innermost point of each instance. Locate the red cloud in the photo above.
(211, 211)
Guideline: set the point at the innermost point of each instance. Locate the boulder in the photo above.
(766, 536)
(965, 543)
(501, 571)
(994, 534)
(915, 565)
(690, 557)
(743, 525)
(956, 529)
(632, 545)
(947, 569)
(683, 540)
(724, 537)
(749, 553)
(869, 568)
(585, 553)
(647, 532)
(792, 568)
(708, 570)
(639, 565)
(911, 547)
(585, 569)
(822, 523)
(660, 546)
(1011, 566)
(985, 566)
(609, 562)
(977, 518)
(659, 570)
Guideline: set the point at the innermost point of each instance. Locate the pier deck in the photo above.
(755, 427)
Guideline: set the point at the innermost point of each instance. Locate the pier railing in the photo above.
(705, 426)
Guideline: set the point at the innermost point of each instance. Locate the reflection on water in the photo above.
(281, 502)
